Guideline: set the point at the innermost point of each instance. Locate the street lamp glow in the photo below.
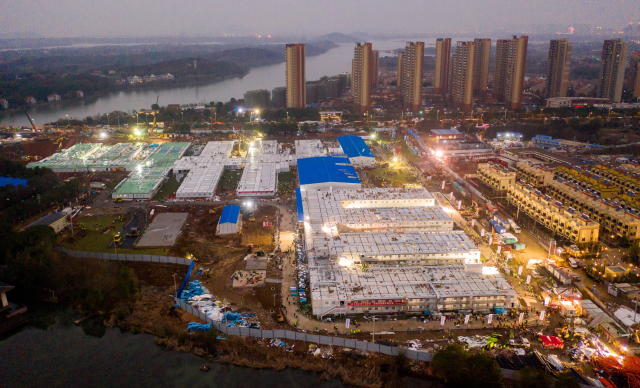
(241, 110)
(103, 135)
(256, 111)
(439, 153)
(395, 159)
(374, 136)
(137, 132)
(344, 262)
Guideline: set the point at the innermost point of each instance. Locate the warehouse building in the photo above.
(230, 221)
(357, 150)
(327, 171)
(496, 176)
(389, 251)
(260, 179)
(565, 221)
(57, 221)
(200, 182)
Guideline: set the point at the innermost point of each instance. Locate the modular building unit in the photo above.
(230, 221)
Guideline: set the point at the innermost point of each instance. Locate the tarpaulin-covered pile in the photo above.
(195, 326)
(551, 341)
(199, 297)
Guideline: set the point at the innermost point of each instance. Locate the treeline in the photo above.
(29, 261)
(43, 191)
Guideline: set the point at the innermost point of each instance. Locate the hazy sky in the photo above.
(61, 18)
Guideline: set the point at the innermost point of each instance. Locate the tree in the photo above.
(459, 368)
(530, 377)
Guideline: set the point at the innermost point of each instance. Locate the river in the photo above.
(64, 356)
(332, 62)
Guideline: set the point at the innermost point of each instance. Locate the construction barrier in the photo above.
(126, 257)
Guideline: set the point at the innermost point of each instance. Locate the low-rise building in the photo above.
(588, 181)
(54, 97)
(614, 220)
(536, 175)
(327, 171)
(230, 221)
(552, 214)
(496, 176)
(56, 221)
(357, 150)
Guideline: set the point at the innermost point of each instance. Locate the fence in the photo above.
(306, 337)
(126, 257)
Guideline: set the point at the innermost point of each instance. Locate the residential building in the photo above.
(375, 69)
(54, 97)
(295, 75)
(30, 100)
(443, 65)
(481, 66)
(412, 70)
(279, 97)
(257, 98)
(462, 75)
(564, 221)
(399, 61)
(362, 68)
(558, 71)
(4, 103)
(634, 75)
(508, 80)
(614, 61)
(496, 176)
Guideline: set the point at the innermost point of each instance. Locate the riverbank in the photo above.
(152, 315)
(242, 63)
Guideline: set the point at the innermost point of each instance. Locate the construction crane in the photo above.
(33, 125)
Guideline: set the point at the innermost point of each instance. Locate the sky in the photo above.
(133, 18)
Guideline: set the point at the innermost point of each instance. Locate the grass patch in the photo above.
(286, 184)
(95, 233)
(169, 188)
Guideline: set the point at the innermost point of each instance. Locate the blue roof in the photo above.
(354, 146)
(9, 181)
(230, 214)
(324, 169)
(299, 207)
(445, 132)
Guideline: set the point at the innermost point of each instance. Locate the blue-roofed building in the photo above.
(9, 181)
(327, 171)
(546, 142)
(230, 221)
(357, 150)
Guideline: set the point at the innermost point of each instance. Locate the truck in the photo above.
(516, 229)
(497, 227)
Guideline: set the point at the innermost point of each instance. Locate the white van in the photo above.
(573, 263)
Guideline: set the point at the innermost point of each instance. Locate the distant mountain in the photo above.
(338, 37)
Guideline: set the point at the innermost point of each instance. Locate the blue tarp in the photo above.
(326, 169)
(299, 207)
(9, 181)
(193, 289)
(195, 326)
(499, 310)
(354, 146)
(231, 316)
(186, 278)
(426, 312)
(230, 214)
